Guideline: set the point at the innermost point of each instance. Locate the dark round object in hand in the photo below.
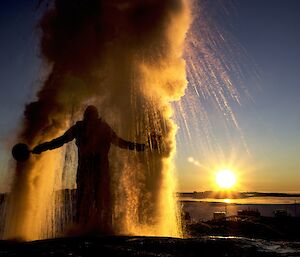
(20, 152)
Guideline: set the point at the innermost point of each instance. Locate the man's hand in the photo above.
(130, 145)
(139, 147)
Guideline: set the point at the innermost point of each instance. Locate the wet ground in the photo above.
(122, 246)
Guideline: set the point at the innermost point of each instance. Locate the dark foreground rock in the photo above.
(122, 246)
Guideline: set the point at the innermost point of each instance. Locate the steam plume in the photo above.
(126, 58)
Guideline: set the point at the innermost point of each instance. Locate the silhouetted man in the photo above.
(93, 139)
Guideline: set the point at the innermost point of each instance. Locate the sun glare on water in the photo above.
(225, 179)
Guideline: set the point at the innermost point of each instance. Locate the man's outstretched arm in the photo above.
(68, 136)
(120, 142)
(130, 145)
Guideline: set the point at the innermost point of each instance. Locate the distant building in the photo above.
(248, 213)
(219, 215)
(279, 213)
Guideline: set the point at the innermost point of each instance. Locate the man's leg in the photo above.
(104, 205)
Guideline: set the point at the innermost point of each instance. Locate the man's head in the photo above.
(90, 113)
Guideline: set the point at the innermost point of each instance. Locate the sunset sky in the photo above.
(264, 153)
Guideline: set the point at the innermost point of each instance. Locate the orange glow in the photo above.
(225, 179)
(227, 200)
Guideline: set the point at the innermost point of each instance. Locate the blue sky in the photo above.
(269, 32)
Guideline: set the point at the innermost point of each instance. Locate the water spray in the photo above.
(124, 57)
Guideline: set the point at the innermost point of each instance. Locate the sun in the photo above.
(225, 178)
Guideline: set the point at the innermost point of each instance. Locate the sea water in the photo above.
(203, 209)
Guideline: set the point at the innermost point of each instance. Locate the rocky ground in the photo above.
(122, 246)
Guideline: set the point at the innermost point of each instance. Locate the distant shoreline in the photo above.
(232, 194)
(237, 203)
